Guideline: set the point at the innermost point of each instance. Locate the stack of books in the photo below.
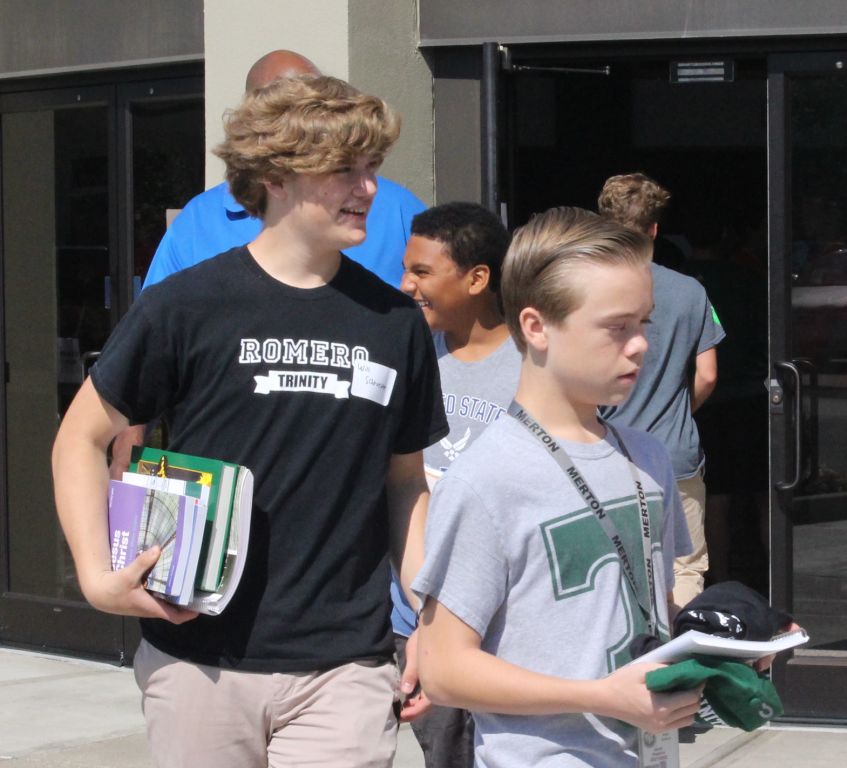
(197, 510)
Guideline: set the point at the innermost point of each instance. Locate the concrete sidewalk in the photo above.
(63, 712)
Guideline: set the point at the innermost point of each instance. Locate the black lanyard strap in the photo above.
(647, 603)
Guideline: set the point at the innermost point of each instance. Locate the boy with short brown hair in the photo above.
(680, 370)
(453, 265)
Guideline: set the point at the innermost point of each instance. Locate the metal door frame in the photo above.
(45, 623)
(806, 681)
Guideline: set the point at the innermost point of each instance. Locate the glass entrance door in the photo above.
(56, 164)
(87, 176)
(808, 389)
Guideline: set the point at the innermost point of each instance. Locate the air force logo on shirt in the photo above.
(370, 380)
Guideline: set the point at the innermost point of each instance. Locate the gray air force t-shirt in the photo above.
(475, 394)
(513, 551)
(682, 325)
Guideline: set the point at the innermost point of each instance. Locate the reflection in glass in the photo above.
(819, 347)
(57, 282)
(55, 235)
(167, 169)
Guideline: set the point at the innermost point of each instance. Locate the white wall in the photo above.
(237, 32)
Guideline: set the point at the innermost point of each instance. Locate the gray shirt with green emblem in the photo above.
(513, 551)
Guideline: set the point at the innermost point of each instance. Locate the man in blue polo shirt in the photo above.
(213, 222)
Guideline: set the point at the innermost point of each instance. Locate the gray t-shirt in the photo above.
(513, 551)
(475, 394)
(682, 325)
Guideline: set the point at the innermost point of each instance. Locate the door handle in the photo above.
(793, 371)
(809, 432)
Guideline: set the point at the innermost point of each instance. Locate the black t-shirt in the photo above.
(313, 390)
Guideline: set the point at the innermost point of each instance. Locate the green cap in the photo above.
(735, 691)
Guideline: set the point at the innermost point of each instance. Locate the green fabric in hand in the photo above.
(736, 692)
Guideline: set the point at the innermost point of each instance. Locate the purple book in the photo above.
(141, 517)
(125, 505)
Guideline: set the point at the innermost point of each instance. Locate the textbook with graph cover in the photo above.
(178, 501)
(141, 517)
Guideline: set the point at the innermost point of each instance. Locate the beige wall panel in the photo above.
(237, 32)
(457, 140)
(384, 59)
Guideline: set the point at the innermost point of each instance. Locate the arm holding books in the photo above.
(122, 449)
(81, 477)
(457, 672)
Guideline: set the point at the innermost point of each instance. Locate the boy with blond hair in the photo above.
(288, 358)
(550, 541)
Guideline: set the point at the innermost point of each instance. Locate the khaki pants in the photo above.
(690, 570)
(205, 717)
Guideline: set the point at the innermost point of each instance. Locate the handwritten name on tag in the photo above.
(372, 381)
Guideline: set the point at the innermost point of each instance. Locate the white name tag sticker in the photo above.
(372, 381)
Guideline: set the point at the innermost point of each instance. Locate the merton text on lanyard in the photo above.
(646, 603)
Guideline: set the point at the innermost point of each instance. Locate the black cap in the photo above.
(731, 609)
